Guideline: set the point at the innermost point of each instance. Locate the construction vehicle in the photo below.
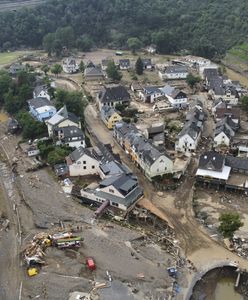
(72, 239)
(72, 244)
(32, 271)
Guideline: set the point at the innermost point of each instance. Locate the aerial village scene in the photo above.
(125, 174)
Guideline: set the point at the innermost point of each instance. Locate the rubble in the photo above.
(34, 251)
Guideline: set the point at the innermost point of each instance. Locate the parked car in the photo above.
(90, 263)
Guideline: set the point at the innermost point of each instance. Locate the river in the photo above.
(225, 290)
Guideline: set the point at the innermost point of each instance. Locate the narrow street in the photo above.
(176, 205)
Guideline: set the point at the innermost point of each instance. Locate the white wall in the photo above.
(186, 140)
(221, 139)
(86, 165)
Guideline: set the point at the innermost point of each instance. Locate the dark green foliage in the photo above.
(15, 93)
(229, 223)
(56, 69)
(53, 154)
(205, 28)
(134, 44)
(139, 67)
(31, 129)
(74, 102)
(113, 72)
(192, 80)
(244, 101)
(81, 66)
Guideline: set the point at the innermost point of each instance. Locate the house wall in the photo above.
(86, 165)
(163, 165)
(62, 124)
(185, 143)
(76, 144)
(41, 116)
(95, 198)
(113, 120)
(43, 94)
(112, 190)
(177, 103)
(164, 75)
(221, 139)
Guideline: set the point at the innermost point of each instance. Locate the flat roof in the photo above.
(224, 175)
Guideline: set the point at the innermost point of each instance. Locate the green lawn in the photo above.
(240, 52)
(9, 57)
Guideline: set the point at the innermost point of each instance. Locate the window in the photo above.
(84, 167)
(115, 204)
(92, 167)
(111, 191)
(79, 162)
(84, 162)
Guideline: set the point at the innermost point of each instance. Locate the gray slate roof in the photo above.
(176, 69)
(39, 89)
(71, 131)
(114, 94)
(93, 71)
(211, 161)
(39, 102)
(237, 162)
(79, 152)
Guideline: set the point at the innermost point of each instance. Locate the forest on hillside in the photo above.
(203, 27)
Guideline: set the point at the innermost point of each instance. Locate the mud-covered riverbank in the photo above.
(218, 284)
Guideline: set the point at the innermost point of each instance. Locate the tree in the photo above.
(139, 67)
(74, 102)
(113, 72)
(58, 155)
(31, 128)
(84, 43)
(5, 84)
(192, 80)
(134, 44)
(229, 223)
(48, 43)
(56, 69)
(244, 101)
(81, 66)
(45, 69)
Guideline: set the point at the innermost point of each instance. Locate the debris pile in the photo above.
(240, 245)
(34, 252)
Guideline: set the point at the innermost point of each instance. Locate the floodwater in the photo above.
(225, 290)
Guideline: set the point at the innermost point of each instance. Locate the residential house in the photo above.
(41, 91)
(13, 125)
(16, 68)
(219, 103)
(156, 134)
(177, 98)
(174, 72)
(41, 109)
(136, 87)
(151, 49)
(150, 94)
(231, 112)
(119, 191)
(209, 74)
(220, 88)
(111, 168)
(104, 64)
(147, 64)
(71, 136)
(70, 65)
(212, 168)
(189, 136)
(62, 118)
(145, 155)
(82, 161)
(218, 170)
(124, 64)
(110, 116)
(223, 135)
(33, 150)
(110, 96)
(93, 73)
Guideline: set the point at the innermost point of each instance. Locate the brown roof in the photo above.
(223, 112)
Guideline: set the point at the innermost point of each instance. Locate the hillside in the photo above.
(206, 27)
